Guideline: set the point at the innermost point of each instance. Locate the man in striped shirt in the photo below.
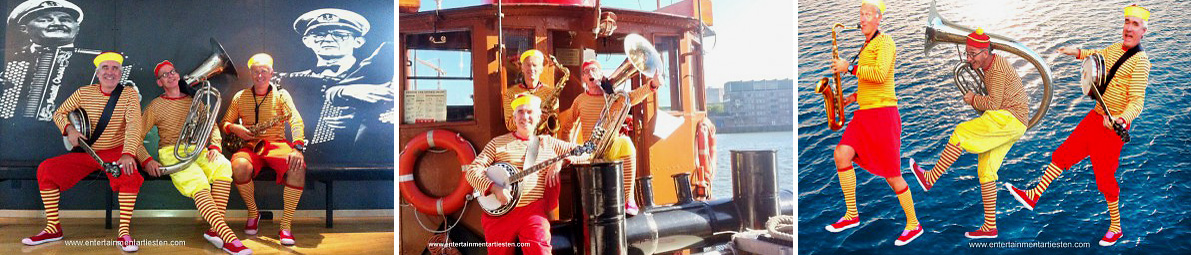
(527, 222)
(585, 113)
(531, 70)
(118, 142)
(261, 104)
(990, 135)
(208, 180)
(1094, 136)
(872, 139)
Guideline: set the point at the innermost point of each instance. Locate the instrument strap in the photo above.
(104, 118)
(856, 59)
(1112, 72)
(531, 153)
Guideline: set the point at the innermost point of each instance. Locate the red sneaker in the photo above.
(236, 248)
(980, 233)
(920, 175)
(908, 236)
(42, 237)
(213, 238)
(287, 237)
(1110, 238)
(1022, 197)
(251, 226)
(631, 208)
(843, 224)
(127, 244)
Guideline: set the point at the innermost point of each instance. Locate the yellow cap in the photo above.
(260, 59)
(1137, 11)
(113, 56)
(526, 98)
(878, 3)
(531, 53)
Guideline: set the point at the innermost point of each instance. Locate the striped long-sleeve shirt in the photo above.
(244, 108)
(123, 128)
(1126, 93)
(1005, 91)
(874, 70)
(509, 148)
(585, 111)
(542, 91)
(168, 115)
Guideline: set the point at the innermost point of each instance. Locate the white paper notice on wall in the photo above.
(664, 124)
(423, 106)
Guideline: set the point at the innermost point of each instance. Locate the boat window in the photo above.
(517, 41)
(439, 84)
(670, 93)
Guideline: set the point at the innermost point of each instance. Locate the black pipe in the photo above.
(754, 186)
(603, 217)
(645, 192)
(687, 226)
(682, 186)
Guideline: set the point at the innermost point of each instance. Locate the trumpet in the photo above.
(971, 79)
(833, 98)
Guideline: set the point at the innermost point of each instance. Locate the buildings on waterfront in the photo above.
(754, 106)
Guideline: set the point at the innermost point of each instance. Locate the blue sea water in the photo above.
(782, 142)
(1154, 167)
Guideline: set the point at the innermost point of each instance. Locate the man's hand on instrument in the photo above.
(1069, 51)
(73, 135)
(128, 164)
(1108, 122)
(849, 99)
(296, 161)
(153, 168)
(655, 81)
(552, 176)
(969, 97)
(240, 131)
(839, 66)
(501, 194)
(211, 154)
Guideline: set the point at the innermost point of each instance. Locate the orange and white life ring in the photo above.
(705, 170)
(409, 158)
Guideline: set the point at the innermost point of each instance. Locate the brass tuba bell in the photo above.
(641, 58)
(204, 107)
(942, 30)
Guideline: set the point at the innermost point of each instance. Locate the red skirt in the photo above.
(875, 134)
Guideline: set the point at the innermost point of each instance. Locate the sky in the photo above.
(740, 50)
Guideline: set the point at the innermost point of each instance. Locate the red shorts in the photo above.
(275, 154)
(875, 134)
(1091, 139)
(527, 224)
(64, 171)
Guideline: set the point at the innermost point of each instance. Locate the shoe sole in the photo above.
(1019, 199)
(914, 170)
(32, 243)
(244, 252)
(130, 248)
(978, 237)
(1105, 243)
(291, 242)
(250, 232)
(214, 240)
(900, 243)
(837, 230)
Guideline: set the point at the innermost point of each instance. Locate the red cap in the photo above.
(157, 70)
(588, 63)
(978, 39)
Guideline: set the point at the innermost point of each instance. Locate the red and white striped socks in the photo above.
(950, 154)
(847, 182)
(50, 199)
(988, 195)
(247, 192)
(907, 201)
(1052, 172)
(291, 197)
(206, 207)
(127, 203)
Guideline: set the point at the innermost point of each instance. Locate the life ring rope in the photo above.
(424, 142)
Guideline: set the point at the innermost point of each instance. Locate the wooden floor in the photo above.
(373, 235)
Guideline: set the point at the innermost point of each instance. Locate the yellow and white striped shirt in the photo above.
(585, 111)
(1126, 93)
(874, 70)
(1005, 91)
(169, 114)
(272, 103)
(123, 128)
(509, 149)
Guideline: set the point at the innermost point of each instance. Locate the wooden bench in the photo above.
(325, 174)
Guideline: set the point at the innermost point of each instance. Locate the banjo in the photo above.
(509, 177)
(78, 118)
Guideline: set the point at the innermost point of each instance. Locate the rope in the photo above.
(448, 229)
(781, 227)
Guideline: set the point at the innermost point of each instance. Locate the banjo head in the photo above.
(499, 175)
(1092, 72)
(78, 119)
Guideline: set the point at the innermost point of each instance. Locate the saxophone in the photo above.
(833, 98)
(233, 142)
(549, 124)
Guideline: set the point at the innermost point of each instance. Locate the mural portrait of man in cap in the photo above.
(42, 66)
(357, 103)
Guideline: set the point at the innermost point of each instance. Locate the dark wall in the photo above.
(148, 32)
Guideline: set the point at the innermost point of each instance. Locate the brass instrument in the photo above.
(833, 98)
(204, 107)
(234, 142)
(549, 124)
(642, 58)
(942, 30)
